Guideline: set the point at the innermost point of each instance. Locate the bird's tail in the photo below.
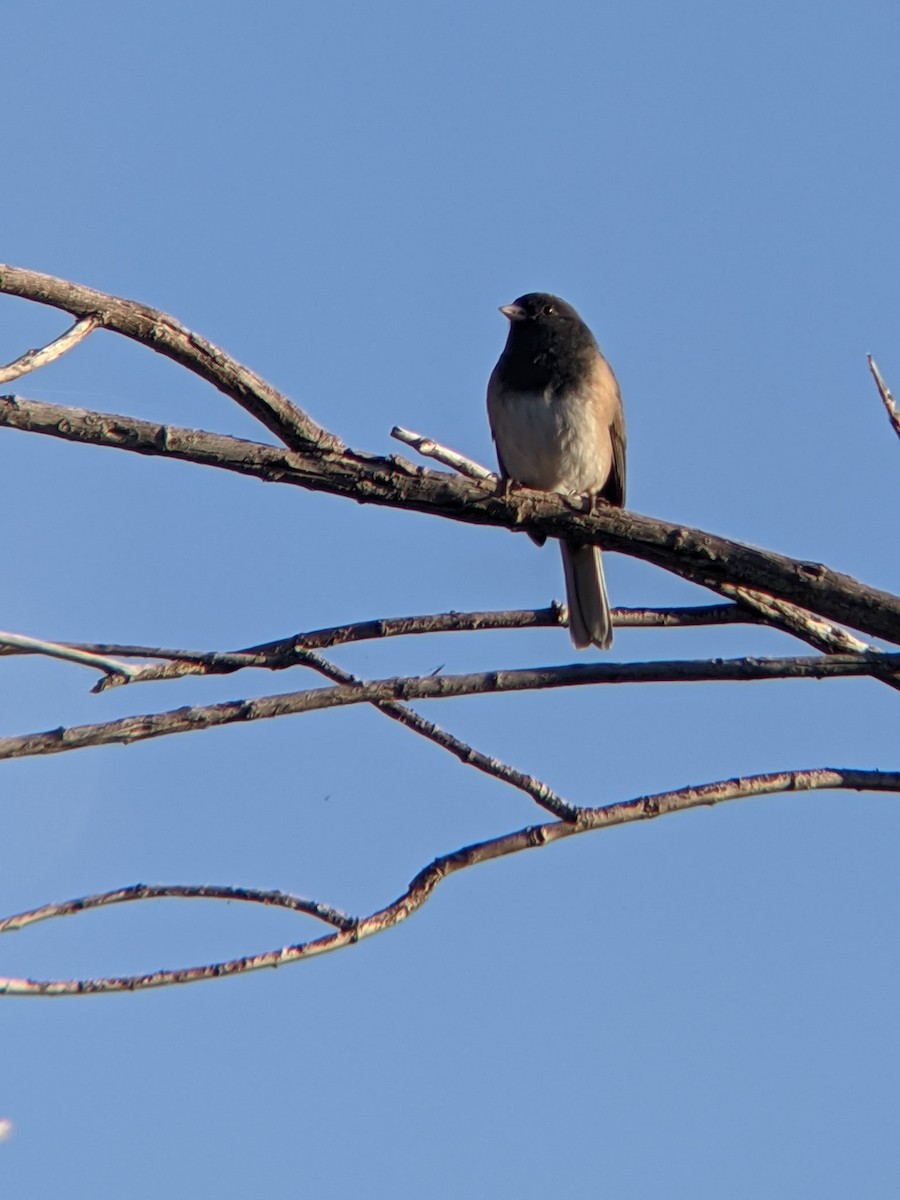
(589, 619)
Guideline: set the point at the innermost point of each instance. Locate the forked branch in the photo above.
(165, 335)
(349, 930)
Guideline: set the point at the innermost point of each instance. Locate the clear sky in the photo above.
(341, 195)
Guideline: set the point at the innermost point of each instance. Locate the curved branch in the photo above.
(435, 687)
(695, 555)
(420, 889)
(206, 891)
(165, 335)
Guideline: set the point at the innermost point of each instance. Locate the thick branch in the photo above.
(433, 687)
(698, 556)
(780, 614)
(532, 837)
(165, 335)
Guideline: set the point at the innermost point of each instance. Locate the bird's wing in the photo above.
(493, 400)
(614, 488)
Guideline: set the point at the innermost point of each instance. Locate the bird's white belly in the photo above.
(551, 443)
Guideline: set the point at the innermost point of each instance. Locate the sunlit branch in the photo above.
(429, 448)
(434, 687)
(206, 891)
(31, 360)
(815, 631)
(693, 554)
(111, 667)
(165, 335)
(288, 652)
(420, 889)
(781, 614)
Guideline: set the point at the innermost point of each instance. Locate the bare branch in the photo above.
(683, 616)
(435, 687)
(288, 652)
(807, 600)
(780, 614)
(692, 553)
(87, 658)
(165, 335)
(420, 889)
(887, 398)
(442, 454)
(539, 792)
(31, 360)
(823, 635)
(206, 891)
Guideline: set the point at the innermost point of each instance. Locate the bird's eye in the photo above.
(549, 310)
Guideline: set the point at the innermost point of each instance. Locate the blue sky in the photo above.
(341, 195)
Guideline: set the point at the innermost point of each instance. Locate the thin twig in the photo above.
(435, 687)
(206, 891)
(887, 398)
(428, 448)
(31, 360)
(87, 658)
(539, 792)
(532, 837)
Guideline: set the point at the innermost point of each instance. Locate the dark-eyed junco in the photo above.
(556, 418)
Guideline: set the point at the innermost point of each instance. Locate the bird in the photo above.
(556, 418)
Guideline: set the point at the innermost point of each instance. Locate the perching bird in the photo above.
(556, 419)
